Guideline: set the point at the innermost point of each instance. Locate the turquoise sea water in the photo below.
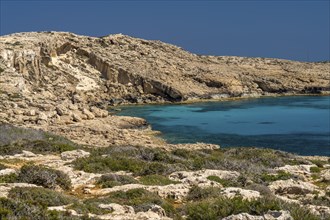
(298, 124)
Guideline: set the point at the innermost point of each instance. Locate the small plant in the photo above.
(9, 178)
(14, 140)
(197, 193)
(319, 163)
(43, 176)
(12, 209)
(220, 207)
(281, 175)
(101, 164)
(40, 196)
(111, 180)
(2, 167)
(315, 169)
(140, 199)
(217, 179)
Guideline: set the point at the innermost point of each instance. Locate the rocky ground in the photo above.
(67, 157)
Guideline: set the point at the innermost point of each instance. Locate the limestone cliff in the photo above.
(58, 65)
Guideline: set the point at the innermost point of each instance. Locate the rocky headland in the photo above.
(64, 155)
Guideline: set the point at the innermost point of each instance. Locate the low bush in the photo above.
(9, 178)
(40, 196)
(281, 175)
(317, 200)
(217, 208)
(140, 199)
(319, 163)
(88, 207)
(262, 189)
(197, 193)
(315, 169)
(16, 209)
(111, 180)
(43, 176)
(14, 140)
(99, 164)
(156, 180)
(11, 209)
(223, 182)
(2, 167)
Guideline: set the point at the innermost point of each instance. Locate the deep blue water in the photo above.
(298, 124)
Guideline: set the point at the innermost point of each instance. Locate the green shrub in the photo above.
(11, 209)
(315, 169)
(2, 167)
(223, 182)
(43, 176)
(140, 199)
(221, 207)
(156, 168)
(317, 200)
(88, 207)
(16, 209)
(111, 180)
(250, 162)
(281, 175)
(13, 140)
(262, 189)
(319, 163)
(197, 193)
(156, 180)
(40, 196)
(9, 178)
(99, 164)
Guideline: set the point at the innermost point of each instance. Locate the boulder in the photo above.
(42, 116)
(76, 117)
(89, 114)
(325, 175)
(30, 112)
(100, 113)
(62, 110)
(74, 154)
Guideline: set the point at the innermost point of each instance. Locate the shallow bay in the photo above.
(299, 124)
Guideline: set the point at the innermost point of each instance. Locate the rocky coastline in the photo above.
(58, 139)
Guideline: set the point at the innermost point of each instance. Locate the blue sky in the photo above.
(292, 29)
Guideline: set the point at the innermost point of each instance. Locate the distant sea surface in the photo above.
(299, 124)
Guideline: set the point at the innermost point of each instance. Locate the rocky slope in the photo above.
(62, 83)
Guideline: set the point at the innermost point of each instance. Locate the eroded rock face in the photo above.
(134, 69)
